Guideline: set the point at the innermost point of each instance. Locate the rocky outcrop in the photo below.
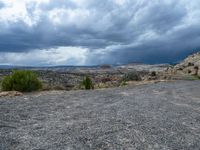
(190, 66)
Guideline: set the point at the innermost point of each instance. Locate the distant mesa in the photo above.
(105, 66)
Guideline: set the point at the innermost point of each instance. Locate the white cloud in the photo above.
(77, 17)
(16, 11)
(56, 56)
(121, 2)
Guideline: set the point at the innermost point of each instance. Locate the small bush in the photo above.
(192, 77)
(153, 73)
(23, 81)
(123, 83)
(132, 76)
(190, 64)
(87, 83)
(196, 68)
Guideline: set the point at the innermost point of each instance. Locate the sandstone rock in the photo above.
(190, 66)
(10, 93)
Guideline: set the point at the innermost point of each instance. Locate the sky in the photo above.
(92, 32)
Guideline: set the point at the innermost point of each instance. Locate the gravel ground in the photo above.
(153, 116)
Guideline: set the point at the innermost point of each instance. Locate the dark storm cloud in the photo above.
(167, 49)
(114, 31)
(161, 18)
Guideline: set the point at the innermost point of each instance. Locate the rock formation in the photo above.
(189, 66)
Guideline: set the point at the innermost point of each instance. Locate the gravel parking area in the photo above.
(155, 116)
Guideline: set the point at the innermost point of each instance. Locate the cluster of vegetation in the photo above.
(132, 76)
(123, 83)
(21, 80)
(87, 83)
(192, 77)
(153, 73)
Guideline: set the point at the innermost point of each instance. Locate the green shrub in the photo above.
(131, 76)
(123, 83)
(6, 83)
(153, 73)
(21, 80)
(192, 77)
(87, 83)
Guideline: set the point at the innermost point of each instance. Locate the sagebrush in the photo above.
(21, 80)
(87, 83)
(132, 76)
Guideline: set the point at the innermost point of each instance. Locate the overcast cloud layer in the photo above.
(90, 32)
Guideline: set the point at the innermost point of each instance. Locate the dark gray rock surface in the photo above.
(153, 116)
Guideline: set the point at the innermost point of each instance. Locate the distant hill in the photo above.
(45, 67)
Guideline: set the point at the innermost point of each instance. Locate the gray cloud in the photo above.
(114, 31)
(1, 5)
